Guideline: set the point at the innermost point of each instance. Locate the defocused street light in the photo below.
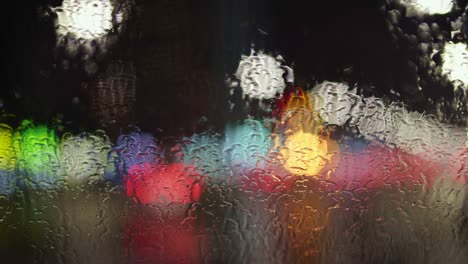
(86, 19)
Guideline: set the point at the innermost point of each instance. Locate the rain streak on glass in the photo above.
(316, 172)
(84, 157)
(260, 75)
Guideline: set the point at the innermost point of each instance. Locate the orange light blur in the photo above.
(304, 151)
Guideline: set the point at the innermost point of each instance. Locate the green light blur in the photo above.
(37, 152)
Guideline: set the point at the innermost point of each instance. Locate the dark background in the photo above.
(183, 49)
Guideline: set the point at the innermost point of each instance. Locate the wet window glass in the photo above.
(249, 131)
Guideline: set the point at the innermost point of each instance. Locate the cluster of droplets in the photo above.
(252, 152)
(86, 29)
(163, 184)
(429, 7)
(293, 181)
(416, 133)
(84, 156)
(398, 148)
(37, 150)
(436, 48)
(455, 64)
(204, 150)
(261, 75)
(87, 19)
(246, 143)
(149, 176)
(7, 160)
(113, 97)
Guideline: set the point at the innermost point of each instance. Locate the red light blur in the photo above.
(163, 184)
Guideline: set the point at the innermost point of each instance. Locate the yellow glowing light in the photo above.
(303, 151)
(305, 154)
(7, 153)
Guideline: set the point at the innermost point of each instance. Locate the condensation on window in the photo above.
(293, 168)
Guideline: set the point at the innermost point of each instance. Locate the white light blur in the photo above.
(430, 7)
(415, 132)
(86, 19)
(455, 62)
(261, 75)
(84, 157)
